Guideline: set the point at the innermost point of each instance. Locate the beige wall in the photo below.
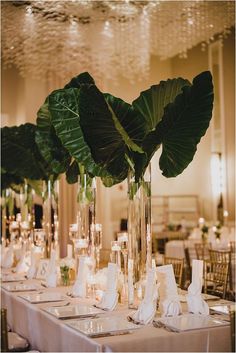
(229, 112)
(21, 99)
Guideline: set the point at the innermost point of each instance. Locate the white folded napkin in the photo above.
(8, 257)
(34, 263)
(80, 287)
(169, 300)
(51, 276)
(196, 304)
(110, 297)
(147, 309)
(23, 264)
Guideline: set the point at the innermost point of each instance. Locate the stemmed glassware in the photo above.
(115, 252)
(80, 244)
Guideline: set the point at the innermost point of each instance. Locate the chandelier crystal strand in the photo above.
(107, 38)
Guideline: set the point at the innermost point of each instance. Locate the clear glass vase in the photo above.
(50, 215)
(86, 215)
(139, 234)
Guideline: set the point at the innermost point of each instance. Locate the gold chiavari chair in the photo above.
(222, 256)
(11, 341)
(232, 329)
(216, 277)
(232, 247)
(202, 251)
(178, 266)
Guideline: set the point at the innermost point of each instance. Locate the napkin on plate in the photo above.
(51, 276)
(169, 300)
(196, 304)
(147, 309)
(8, 257)
(34, 264)
(80, 287)
(110, 297)
(23, 265)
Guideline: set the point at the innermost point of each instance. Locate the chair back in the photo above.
(232, 247)
(232, 329)
(4, 333)
(220, 255)
(202, 251)
(216, 275)
(178, 265)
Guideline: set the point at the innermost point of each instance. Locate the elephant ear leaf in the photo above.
(151, 103)
(49, 144)
(64, 106)
(83, 78)
(72, 173)
(110, 130)
(184, 122)
(20, 154)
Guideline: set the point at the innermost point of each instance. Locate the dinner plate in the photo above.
(222, 309)
(206, 297)
(73, 311)
(103, 326)
(189, 322)
(19, 287)
(13, 278)
(43, 297)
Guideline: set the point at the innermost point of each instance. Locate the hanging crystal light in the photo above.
(108, 38)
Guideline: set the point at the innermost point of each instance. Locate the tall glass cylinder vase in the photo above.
(139, 234)
(26, 213)
(86, 215)
(50, 215)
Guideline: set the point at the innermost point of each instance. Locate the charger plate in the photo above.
(19, 287)
(43, 297)
(103, 326)
(73, 311)
(188, 322)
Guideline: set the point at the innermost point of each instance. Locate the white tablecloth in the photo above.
(48, 334)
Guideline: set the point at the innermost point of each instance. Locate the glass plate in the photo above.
(222, 309)
(206, 297)
(189, 322)
(43, 297)
(103, 326)
(73, 311)
(13, 278)
(19, 287)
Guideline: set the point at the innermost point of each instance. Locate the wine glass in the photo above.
(115, 252)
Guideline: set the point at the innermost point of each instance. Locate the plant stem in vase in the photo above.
(50, 215)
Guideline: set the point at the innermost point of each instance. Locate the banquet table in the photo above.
(49, 334)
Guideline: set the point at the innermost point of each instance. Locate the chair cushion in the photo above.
(16, 343)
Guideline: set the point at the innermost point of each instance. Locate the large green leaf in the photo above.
(184, 122)
(49, 144)
(151, 103)
(64, 106)
(20, 154)
(8, 180)
(77, 81)
(110, 130)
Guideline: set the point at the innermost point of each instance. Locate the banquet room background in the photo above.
(22, 97)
